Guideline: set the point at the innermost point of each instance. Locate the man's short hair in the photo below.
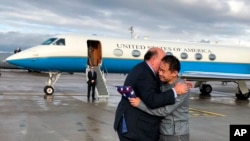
(149, 54)
(174, 63)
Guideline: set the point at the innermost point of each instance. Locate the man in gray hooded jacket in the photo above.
(175, 123)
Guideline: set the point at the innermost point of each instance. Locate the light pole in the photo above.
(131, 31)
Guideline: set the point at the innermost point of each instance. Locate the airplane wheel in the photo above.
(241, 96)
(49, 90)
(206, 89)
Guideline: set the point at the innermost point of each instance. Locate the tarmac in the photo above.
(26, 114)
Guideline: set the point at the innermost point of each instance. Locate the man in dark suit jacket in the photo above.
(140, 126)
(91, 82)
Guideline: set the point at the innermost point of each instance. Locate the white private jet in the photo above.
(74, 53)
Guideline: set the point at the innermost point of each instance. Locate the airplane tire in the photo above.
(242, 96)
(206, 89)
(49, 90)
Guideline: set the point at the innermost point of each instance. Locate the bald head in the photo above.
(153, 52)
(153, 57)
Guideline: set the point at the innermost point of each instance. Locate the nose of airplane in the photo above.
(13, 59)
(24, 58)
(10, 58)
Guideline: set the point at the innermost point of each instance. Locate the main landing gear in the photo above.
(53, 77)
(242, 96)
(243, 92)
(206, 89)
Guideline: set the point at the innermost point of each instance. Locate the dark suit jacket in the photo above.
(142, 126)
(90, 77)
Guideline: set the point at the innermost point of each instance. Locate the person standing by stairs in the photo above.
(92, 76)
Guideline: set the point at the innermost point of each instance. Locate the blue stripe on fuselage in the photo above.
(219, 67)
(114, 65)
(60, 64)
(74, 64)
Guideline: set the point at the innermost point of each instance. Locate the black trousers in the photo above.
(91, 87)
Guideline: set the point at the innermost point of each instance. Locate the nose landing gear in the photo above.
(53, 77)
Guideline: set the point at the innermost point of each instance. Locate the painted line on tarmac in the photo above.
(198, 113)
(21, 94)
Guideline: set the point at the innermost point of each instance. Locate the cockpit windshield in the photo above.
(60, 42)
(55, 41)
(49, 41)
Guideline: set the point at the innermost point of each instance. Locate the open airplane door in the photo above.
(95, 59)
(94, 53)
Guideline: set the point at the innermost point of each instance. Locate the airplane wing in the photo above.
(213, 76)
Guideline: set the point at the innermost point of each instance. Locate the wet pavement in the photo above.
(27, 115)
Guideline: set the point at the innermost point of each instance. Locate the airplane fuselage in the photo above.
(120, 55)
(74, 53)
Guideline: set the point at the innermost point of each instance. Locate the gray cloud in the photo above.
(13, 40)
(29, 21)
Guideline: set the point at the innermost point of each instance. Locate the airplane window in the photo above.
(198, 56)
(184, 55)
(136, 53)
(212, 56)
(118, 52)
(49, 41)
(169, 53)
(60, 42)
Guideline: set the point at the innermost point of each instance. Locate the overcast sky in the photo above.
(24, 23)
